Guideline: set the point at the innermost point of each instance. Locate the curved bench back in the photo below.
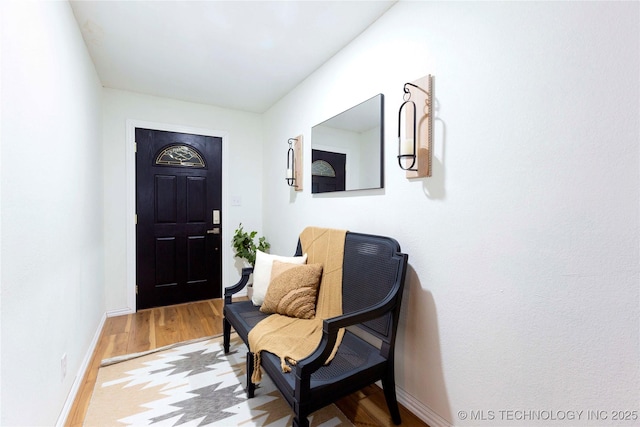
(373, 270)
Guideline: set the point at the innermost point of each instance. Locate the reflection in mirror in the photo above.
(346, 150)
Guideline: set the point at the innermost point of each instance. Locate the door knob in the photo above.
(215, 230)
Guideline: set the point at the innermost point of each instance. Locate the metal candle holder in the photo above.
(291, 164)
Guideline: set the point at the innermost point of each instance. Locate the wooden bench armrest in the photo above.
(330, 327)
(244, 279)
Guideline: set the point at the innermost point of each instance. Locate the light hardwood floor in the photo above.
(157, 327)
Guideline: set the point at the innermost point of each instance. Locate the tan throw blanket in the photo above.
(293, 339)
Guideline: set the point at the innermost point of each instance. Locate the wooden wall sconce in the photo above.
(294, 163)
(415, 150)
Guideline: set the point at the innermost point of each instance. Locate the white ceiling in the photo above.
(243, 55)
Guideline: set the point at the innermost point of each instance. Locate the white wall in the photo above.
(241, 175)
(51, 176)
(369, 155)
(523, 247)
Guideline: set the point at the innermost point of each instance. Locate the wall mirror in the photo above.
(347, 150)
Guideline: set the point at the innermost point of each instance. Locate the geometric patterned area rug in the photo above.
(191, 384)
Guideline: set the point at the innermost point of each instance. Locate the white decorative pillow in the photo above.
(262, 272)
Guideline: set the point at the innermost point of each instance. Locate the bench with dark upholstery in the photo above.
(373, 277)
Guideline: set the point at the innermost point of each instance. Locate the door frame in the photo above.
(130, 165)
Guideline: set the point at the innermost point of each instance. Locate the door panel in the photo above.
(178, 186)
(166, 199)
(166, 274)
(196, 199)
(196, 259)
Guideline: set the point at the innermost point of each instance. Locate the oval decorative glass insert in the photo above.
(180, 155)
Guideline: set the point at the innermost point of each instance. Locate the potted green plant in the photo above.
(245, 246)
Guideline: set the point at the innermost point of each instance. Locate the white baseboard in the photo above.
(120, 312)
(77, 382)
(420, 410)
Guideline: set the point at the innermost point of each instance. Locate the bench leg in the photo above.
(226, 334)
(389, 388)
(300, 421)
(300, 415)
(251, 387)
